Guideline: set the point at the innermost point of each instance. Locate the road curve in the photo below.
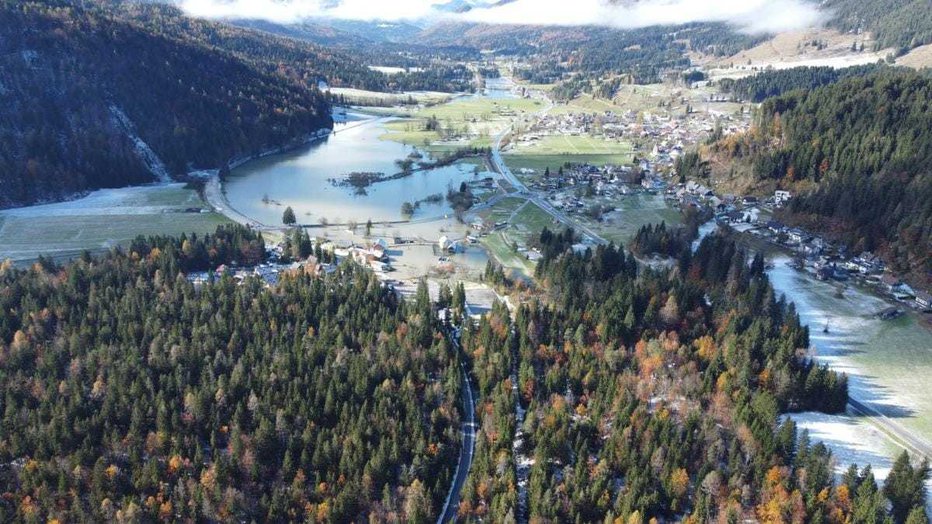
(498, 164)
(451, 505)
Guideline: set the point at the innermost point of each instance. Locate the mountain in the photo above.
(91, 100)
(858, 155)
(377, 31)
(552, 52)
(900, 24)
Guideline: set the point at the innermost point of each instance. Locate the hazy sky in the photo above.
(750, 15)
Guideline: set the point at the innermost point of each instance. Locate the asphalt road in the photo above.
(499, 165)
(916, 445)
(451, 506)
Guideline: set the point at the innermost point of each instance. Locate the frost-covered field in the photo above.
(853, 440)
(101, 220)
(889, 362)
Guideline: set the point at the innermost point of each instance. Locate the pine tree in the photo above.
(288, 217)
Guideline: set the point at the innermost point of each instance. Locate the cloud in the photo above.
(747, 15)
(289, 11)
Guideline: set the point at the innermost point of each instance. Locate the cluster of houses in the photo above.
(833, 262)
(374, 255)
(826, 260)
(269, 272)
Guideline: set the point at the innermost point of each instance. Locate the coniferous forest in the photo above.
(759, 87)
(859, 154)
(658, 396)
(133, 394)
(130, 394)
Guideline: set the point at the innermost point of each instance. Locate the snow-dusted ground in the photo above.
(704, 230)
(137, 200)
(888, 362)
(853, 440)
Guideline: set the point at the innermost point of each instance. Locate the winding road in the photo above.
(451, 506)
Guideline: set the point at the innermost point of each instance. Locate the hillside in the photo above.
(900, 24)
(554, 51)
(90, 100)
(859, 153)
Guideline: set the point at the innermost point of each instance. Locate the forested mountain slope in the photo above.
(86, 98)
(289, 54)
(759, 87)
(901, 24)
(657, 395)
(859, 152)
(644, 54)
(129, 395)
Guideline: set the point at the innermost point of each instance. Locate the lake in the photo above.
(302, 179)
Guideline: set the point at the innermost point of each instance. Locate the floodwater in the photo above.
(303, 178)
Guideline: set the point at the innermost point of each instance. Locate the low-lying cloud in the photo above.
(747, 15)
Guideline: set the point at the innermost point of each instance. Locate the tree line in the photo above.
(130, 394)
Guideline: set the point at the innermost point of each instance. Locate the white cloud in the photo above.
(748, 15)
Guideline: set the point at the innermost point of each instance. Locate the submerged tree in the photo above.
(288, 217)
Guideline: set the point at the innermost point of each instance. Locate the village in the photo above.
(822, 258)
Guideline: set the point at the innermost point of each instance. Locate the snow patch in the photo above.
(853, 440)
(152, 161)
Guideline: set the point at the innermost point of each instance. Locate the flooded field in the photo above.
(303, 179)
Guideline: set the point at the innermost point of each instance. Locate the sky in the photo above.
(747, 15)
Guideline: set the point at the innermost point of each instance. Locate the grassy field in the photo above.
(530, 220)
(634, 212)
(473, 121)
(500, 247)
(888, 362)
(102, 220)
(503, 209)
(555, 151)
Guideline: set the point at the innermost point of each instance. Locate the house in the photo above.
(775, 227)
(796, 235)
(889, 282)
(534, 255)
(781, 197)
(923, 299)
(812, 248)
(444, 243)
(866, 263)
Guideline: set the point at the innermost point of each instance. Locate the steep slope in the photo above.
(902, 24)
(89, 100)
(859, 154)
(306, 52)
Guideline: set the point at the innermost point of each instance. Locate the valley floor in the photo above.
(102, 220)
